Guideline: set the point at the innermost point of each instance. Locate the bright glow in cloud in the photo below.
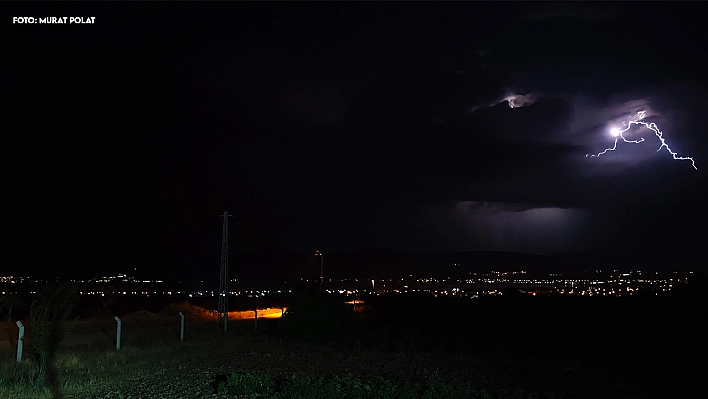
(519, 100)
(512, 99)
(517, 227)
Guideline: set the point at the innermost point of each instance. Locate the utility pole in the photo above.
(224, 275)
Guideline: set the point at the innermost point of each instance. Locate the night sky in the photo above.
(338, 126)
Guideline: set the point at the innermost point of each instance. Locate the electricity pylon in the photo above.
(223, 309)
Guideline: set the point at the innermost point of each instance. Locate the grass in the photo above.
(527, 353)
(79, 372)
(89, 362)
(247, 384)
(349, 386)
(82, 372)
(84, 369)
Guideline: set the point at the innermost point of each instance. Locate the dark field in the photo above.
(624, 347)
(512, 346)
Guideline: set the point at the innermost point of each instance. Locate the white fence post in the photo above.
(118, 333)
(20, 340)
(181, 327)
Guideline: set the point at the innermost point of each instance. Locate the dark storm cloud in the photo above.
(579, 126)
(317, 104)
(495, 153)
(411, 125)
(533, 157)
(565, 10)
(494, 207)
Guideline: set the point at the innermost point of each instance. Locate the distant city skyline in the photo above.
(494, 283)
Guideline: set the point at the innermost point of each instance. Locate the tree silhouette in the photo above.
(49, 315)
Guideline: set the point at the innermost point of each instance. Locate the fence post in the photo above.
(20, 340)
(118, 333)
(256, 326)
(181, 327)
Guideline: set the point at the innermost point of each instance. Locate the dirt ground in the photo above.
(191, 369)
(194, 371)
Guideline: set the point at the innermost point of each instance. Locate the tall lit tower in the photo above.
(321, 266)
(224, 275)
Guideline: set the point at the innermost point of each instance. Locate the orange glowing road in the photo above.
(275, 313)
(268, 313)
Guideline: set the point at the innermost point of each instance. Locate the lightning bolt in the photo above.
(619, 134)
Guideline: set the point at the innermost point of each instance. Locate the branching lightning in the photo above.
(619, 134)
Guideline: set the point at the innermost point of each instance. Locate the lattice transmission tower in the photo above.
(223, 309)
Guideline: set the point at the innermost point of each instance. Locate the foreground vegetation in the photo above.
(156, 359)
(78, 372)
(352, 387)
(393, 347)
(82, 367)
